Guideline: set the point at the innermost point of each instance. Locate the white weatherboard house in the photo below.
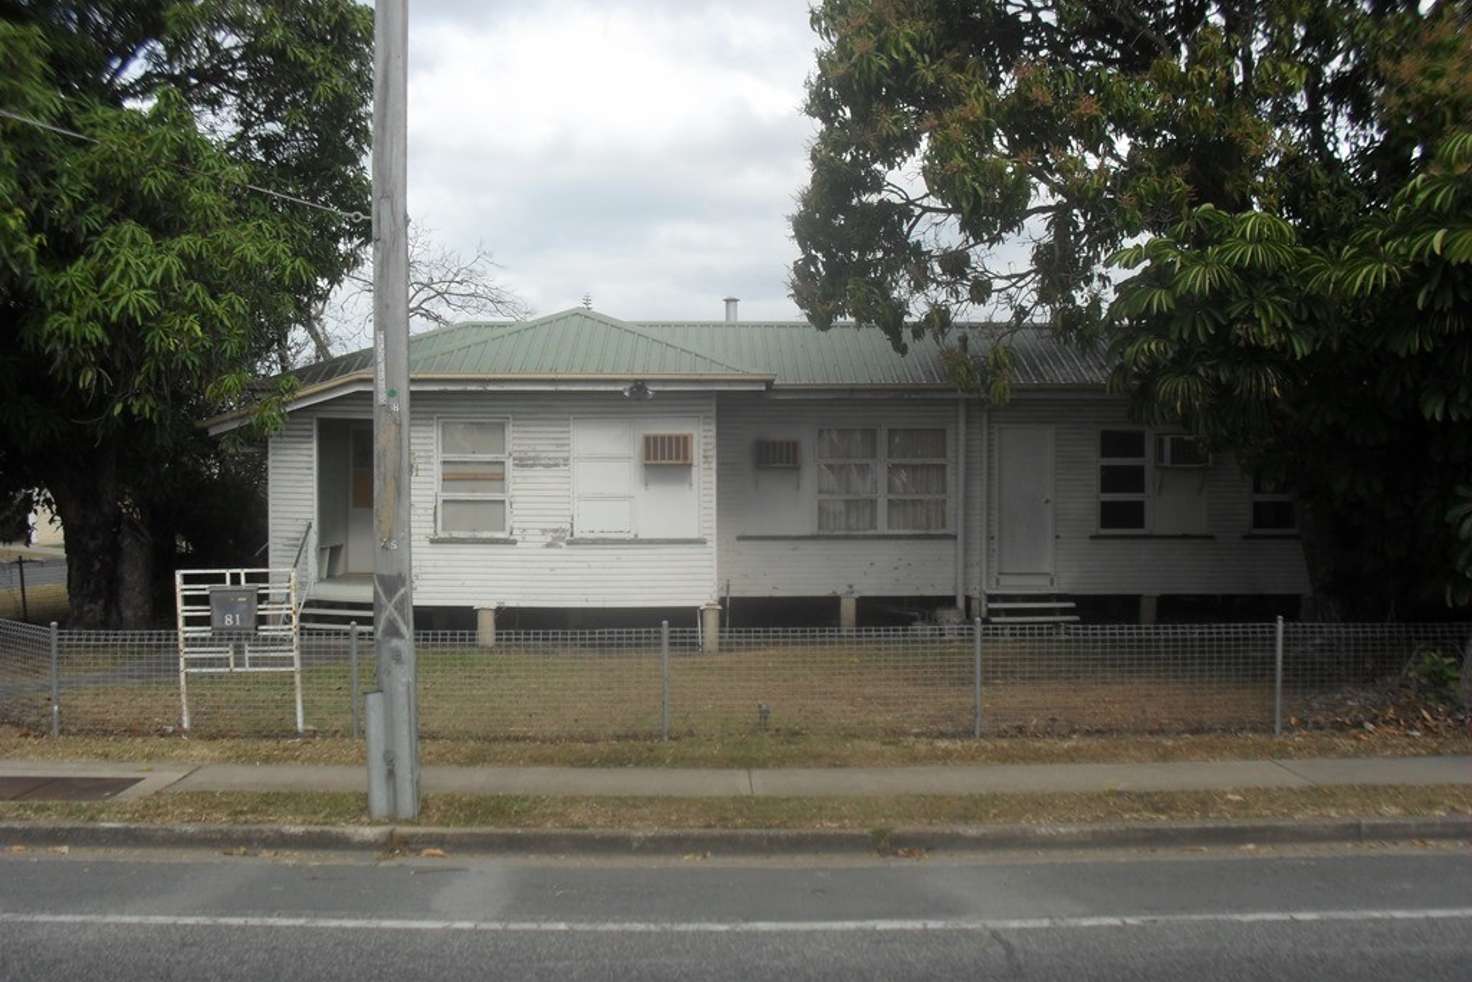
(584, 464)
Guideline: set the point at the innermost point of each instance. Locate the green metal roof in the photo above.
(582, 343)
(796, 353)
(577, 343)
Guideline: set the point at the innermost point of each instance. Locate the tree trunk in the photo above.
(1320, 552)
(87, 502)
(135, 575)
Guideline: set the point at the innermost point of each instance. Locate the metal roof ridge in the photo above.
(524, 326)
(632, 329)
(432, 332)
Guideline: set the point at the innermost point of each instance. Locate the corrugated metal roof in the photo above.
(584, 343)
(796, 353)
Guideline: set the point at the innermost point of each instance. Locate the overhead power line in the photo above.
(63, 131)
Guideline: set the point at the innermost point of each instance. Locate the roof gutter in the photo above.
(926, 390)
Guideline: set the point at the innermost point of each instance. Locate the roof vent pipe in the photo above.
(731, 303)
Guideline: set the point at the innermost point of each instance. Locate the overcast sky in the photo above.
(647, 152)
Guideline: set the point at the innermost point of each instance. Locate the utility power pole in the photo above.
(392, 711)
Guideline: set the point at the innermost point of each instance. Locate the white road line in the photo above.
(739, 927)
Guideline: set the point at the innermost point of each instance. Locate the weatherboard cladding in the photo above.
(586, 343)
(538, 566)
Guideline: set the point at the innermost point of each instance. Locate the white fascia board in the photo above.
(328, 393)
(311, 399)
(585, 386)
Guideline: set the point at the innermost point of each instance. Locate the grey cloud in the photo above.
(659, 206)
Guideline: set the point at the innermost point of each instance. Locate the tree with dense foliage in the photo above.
(144, 277)
(1261, 204)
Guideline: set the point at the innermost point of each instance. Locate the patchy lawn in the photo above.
(904, 688)
(878, 813)
(755, 750)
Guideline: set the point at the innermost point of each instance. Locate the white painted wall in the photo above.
(291, 496)
(790, 560)
(1216, 503)
(616, 495)
(542, 567)
(766, 541)
(775, 504)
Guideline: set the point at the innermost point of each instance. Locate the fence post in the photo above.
(353, 673)
(20, 569)
(976, 652)
(55, 681)
(1278, 679)
(664, 680)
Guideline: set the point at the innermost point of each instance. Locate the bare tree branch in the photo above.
(444, 286)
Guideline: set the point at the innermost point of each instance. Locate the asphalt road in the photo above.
(1353, 915)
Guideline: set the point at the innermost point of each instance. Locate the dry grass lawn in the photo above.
(43, 603)
(551, 694)
(874, 814)
(752, 750)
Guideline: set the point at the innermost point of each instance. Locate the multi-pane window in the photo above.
(472, 477)
(1122, 480)
(915, 479)
(890, 480)
(848, 480)
(1272, 506)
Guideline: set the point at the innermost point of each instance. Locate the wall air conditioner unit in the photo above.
(669, 448)
(777, 455)
(1180, 451)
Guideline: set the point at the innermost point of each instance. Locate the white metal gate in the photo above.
(271, 644)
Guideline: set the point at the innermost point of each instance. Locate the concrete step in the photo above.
(1030, 608)
(334, 615)
(1038, 619)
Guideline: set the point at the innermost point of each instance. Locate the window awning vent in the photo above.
(669, 448)
(777, 454)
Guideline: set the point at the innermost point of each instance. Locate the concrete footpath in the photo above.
(172, 777)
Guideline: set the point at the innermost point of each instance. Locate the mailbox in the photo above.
(232, 610)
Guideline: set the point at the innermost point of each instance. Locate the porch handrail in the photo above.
(302, 586)
(301, 546)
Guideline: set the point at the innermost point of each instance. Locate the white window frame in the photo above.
(441, 458)
(889, 462)
(1255, 496)
(1143, 495)
(881, 463)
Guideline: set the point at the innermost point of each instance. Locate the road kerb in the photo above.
(734, 842)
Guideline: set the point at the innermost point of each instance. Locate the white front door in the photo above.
(1025, 507)
(360, 500)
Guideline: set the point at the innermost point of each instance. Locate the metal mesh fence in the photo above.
(876, 682)
(557, 685)
(25, 676)
(545, 684)
(1127, 678)
(1329, 664)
